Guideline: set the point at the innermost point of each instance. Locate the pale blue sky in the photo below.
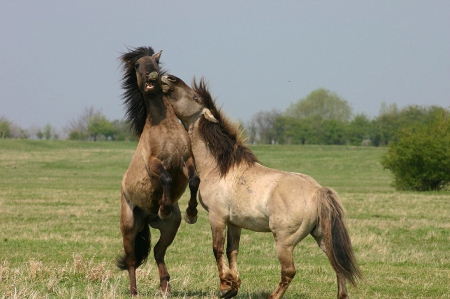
(59, 57)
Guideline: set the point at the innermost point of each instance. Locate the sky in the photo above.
(58, 58)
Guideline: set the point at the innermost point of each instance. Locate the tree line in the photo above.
(325, 118)
(90, 125)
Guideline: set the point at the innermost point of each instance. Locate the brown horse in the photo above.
(161, 167)
(238, 192)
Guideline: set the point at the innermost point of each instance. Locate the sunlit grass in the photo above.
(59, 229)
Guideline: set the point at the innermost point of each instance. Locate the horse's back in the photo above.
(261, 198)
(288, 193)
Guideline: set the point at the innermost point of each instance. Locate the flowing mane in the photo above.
(133, 99)
(225, 140)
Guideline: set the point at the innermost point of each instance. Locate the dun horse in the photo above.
(238, 192)
(161, 167)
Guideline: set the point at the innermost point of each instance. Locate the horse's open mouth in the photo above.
(149, 86)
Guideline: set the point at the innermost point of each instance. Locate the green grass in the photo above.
(59, 228)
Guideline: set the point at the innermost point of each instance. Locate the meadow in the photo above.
(59, 228)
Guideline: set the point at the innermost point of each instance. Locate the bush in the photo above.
(420, 157)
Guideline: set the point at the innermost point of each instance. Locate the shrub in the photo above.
(420, 157)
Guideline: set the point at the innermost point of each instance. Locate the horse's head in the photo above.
(141, 70)
(188, 104)
(141, 76)
(147, 73)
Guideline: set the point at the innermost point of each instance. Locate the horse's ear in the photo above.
(157, 56)
(209, 116)
(171, 78)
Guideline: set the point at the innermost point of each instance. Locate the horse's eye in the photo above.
(136, 66)
(196, 99)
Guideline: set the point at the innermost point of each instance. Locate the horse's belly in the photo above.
(252, 219)
(251, 224)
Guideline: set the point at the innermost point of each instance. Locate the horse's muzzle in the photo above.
(153, 76)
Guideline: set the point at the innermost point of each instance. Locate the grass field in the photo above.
(59, 228)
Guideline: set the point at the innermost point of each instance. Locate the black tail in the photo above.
(141, 249)
(337, 240)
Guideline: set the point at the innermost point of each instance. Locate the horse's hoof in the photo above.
(230, 293)
(165, 295)
(165, 291)
(189, 219)
(164, 217)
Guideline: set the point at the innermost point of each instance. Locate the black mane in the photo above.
(224, 139)
(133, 99)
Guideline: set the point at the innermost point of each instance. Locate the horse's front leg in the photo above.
(218, 228)
(233, 238)
(168, 229)
(156, 168)
(194, 181)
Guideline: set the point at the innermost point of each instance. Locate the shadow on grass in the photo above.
(265, 295)
(241, 295)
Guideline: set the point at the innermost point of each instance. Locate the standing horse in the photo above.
(161, 167)
(238, 192)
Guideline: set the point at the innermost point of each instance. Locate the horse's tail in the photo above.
(141, 249)
(338, 246)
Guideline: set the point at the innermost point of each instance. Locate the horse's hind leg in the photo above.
(341, 282)
(285, 256)
(136, 241)
(194, 181)
(168, 229)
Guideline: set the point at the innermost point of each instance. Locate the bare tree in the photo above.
(251, 131)
(79, 127)
(263, 126)
(18, 132)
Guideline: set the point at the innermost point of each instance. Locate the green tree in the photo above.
(333, 132)
(419, 158)
(321, 102)
(291, 130)
(320, 118)
(359, 129)
(48, 132)
(100, 125)
(391, 119)
(5, 127)
(40, 134)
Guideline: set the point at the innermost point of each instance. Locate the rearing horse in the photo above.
(238, 192)
(161, 167)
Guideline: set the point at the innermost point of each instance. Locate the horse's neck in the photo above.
(205, 163)
(158, 109)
